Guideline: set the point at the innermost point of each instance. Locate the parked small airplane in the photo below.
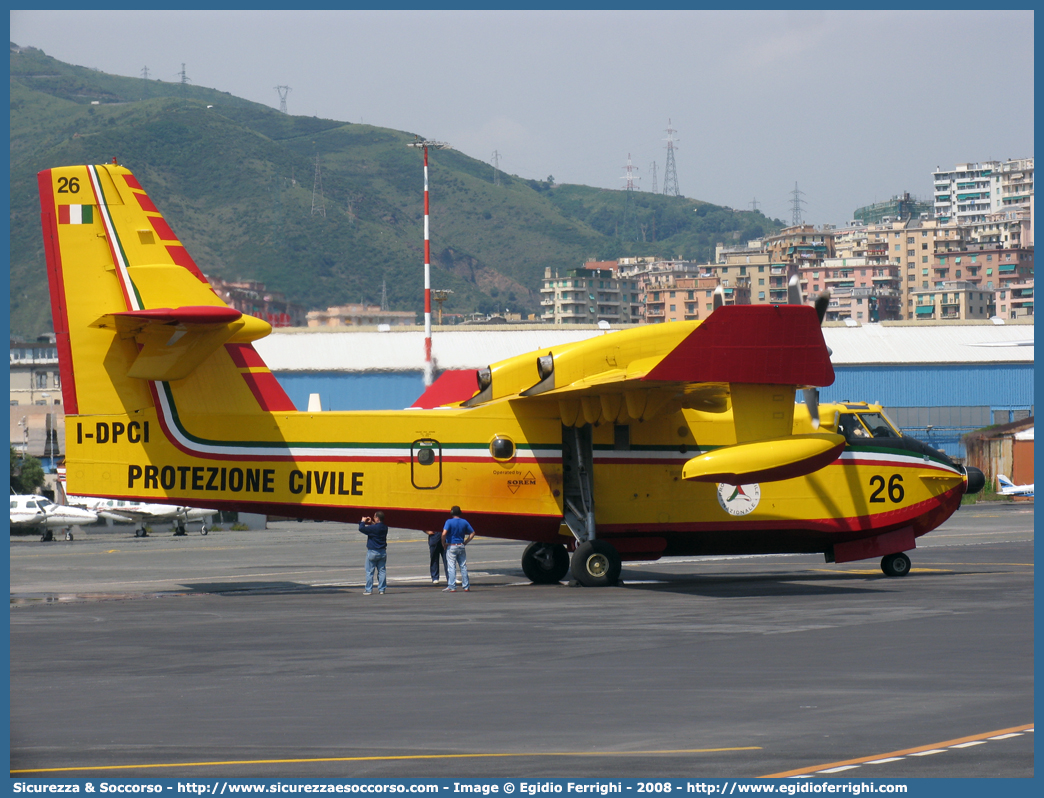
(39, 512)
(1008, 488)
(138, 513)
(666, 439)
(143, 513)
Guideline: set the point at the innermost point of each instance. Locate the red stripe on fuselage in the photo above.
(56, 283)
(268, 392)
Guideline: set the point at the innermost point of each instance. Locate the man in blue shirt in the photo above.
(376, 551)
(456, 534)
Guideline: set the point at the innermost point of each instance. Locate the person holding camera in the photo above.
(376, 532)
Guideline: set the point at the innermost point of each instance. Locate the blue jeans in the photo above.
(376, 559)
(457, 555)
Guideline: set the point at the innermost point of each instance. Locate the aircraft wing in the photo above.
(749, 359)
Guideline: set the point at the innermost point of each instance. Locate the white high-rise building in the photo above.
(971, 191)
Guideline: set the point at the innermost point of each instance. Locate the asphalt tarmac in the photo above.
(255, 654)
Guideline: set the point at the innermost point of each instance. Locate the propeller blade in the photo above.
(822, 301)
(794, 292)
(719, 297)
(812, 403)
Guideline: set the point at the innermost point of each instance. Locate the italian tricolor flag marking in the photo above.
(75, 214)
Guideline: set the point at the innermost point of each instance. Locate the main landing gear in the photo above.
(895, 564)
(596, 564)
(545, 563)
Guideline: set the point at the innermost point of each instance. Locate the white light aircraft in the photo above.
(39, 512)
(1009, 488)
(142, 513)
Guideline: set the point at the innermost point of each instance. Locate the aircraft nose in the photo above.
(976, 480)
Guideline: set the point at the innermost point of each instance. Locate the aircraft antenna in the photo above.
(670, 173)
(496, 168)
(428, 369)
(318, 201)
(283, 91)
(795, 205)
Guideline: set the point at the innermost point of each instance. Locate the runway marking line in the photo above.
(385, 759)
(893, 756)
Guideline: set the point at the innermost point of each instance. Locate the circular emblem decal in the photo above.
(738, 499)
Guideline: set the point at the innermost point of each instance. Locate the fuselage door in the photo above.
(426, 463)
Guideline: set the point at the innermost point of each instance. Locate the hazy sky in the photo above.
(852, 106)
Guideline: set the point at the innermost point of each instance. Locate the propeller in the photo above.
(810, 395)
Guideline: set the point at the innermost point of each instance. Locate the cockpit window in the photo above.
(849, 426)
(878, 425)
(863, 426)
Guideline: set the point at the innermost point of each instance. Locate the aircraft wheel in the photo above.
(68, 534)
(895, 564)
(204, 530)
(545, 563)
(596, 564)
(139, 533)
(47, 536)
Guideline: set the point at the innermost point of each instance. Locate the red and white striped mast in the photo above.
(428, 370)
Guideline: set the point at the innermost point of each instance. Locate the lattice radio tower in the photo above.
(318, 201)
(670, 173)
(629, 174)
(496, 168)
(654, 189)
(795, 205)
(283, 91)
(629, 223)
(185, 79)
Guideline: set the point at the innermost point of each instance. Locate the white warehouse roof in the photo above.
(474, 347)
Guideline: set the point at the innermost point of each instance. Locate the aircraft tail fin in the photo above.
(129, 305)
(1004, 482)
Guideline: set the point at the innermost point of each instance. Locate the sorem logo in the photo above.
(738, 499)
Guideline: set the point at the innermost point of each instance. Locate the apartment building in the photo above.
(953, 300)
(687, 299)
(360, 315)
(255, 299)
(971, 191)
(590, 295)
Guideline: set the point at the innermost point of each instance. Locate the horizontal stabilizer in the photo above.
(174, 341)
(129, 320)
(769, 460)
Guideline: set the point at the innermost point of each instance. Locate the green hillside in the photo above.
(235, 181)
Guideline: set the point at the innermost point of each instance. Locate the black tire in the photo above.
(545, 563)
(596, 564)
(895, 564)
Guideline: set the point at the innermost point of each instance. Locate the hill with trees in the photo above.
(235, 181)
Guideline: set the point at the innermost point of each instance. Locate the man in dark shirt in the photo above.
(376, 551)
(436, 552)
(456, 534)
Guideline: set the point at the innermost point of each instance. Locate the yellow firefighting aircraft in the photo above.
(674, 439)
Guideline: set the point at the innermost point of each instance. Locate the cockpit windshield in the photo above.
(863, 426)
